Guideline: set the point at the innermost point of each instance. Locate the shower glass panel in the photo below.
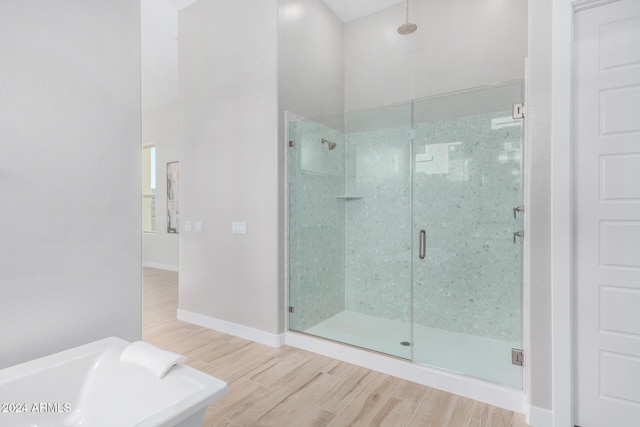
(467, 180)
(316, 224)
(350, 243)
(405, 230)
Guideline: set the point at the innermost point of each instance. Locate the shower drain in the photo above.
(405, 343)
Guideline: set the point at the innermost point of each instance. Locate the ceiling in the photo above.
(350, 10)
(180, 4)
(346, 10)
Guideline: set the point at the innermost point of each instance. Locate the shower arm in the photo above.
(406, 19)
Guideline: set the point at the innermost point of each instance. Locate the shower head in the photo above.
(330, 144)
(407, 27)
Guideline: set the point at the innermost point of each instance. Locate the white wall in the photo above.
(159, 26)
(229, 162)
(459, 44)
(69, 174)
(160, 128)
(310, 59)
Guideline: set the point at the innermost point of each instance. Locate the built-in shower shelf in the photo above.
(348, 197)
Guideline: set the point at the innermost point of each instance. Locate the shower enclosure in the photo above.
(405, 230)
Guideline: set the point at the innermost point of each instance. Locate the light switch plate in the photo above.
(187, 225)
(198, 226)
(239, 227)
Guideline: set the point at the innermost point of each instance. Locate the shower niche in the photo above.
(401, 230)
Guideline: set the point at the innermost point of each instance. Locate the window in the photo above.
(149, 189)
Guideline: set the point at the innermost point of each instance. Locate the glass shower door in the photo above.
(350, 229)
(316, 224)
(467, 269)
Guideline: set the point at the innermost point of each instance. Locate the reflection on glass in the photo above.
(467, 180)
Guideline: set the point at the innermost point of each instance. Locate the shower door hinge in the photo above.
(518, 110)
(292, 143)
(517, 356)
(291, 309)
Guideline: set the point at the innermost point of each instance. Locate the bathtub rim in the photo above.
(212, 388)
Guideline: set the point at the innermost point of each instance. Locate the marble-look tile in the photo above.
(360, 254)
(378, 226)
(316, 224)
(471, 279)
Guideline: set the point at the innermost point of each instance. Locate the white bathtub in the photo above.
(88, 386)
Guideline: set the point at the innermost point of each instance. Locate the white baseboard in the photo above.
(492, 394)
(538, 417)
(160, 266)
(266, 338)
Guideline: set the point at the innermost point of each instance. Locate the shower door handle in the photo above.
(422, 244)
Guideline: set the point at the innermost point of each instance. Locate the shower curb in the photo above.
(492, 394)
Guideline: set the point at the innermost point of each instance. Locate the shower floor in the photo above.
(484, 358)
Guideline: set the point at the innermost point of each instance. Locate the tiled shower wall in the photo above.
(358, 253)
(467, 180)
(378, 226)
(316, 224)
(466, 183)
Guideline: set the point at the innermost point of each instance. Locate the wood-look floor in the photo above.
(292, 387)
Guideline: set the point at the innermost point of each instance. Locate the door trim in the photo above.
(561, 210)
(580, 5)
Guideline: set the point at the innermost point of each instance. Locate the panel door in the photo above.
(607, 209)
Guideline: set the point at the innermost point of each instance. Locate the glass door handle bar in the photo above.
(422, 244)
